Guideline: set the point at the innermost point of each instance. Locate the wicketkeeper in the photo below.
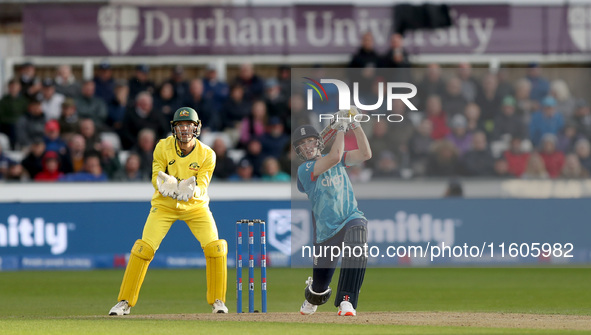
(337, 220)
(182, 170)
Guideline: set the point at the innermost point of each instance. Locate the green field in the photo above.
(75, 302)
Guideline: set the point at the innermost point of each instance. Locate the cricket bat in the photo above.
(327, 134)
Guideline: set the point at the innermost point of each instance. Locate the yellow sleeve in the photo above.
(205, 173)
(158, 163)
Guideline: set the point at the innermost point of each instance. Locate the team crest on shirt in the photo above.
(194, 166)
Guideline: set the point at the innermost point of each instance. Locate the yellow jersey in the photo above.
(199, 163)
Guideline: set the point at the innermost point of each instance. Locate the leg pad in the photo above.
(139, 260)
(216, 268)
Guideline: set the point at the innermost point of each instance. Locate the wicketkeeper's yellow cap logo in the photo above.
(184, 112)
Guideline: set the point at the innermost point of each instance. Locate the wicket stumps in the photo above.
(251, 265)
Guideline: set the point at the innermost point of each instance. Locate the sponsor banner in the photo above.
(100, 235)
(115, 30)
(476, 231)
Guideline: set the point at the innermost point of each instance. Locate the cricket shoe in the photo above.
(308, 308)
(346, 309)
(122, 308)
(219, 307)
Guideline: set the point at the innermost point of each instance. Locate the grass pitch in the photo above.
(173, 302)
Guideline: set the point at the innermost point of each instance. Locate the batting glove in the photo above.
(340, 125)
(353, 112)
(167, 185)
(186, 189)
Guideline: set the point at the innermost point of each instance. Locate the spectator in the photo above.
(437, 117)
(380, 140)
(51, 102)
(453, 102)
(516, 158)
(507, 122)
(116, 108)
(583, 152)
(386, 166)
(253, 154)
(567, 138)
(582, 118)
(254, 125)
(524, 106)
(12, 106)
(459, 135)
(214, 90)
(90, 106)
(400, 132)
(30, 125)
(565, 103)
(501, 168)
(50, 171)
(546, 121)
(30, 84)
(236, 108)
(473, 121)
(104, 83)
(396, 56)
(366, 59)
(479, 160)
(274, 139)
(74, 160)
(140, 82)
(68, 121)
(9, 169)
(224, 166)
(431, 84)
(535, 168)
(66, 83)
(489, 101)
(244, 171)
(276, 102)
(131, 171)
(469, 84)
(146, 142)
(572, 168)
(553, 159)
(33, 162)
(443, 161)
(505, 86)
(209, 115)
(272, 172)
(110, 160)
(419, 147)
(178, 82)
(284, 78)
(140, 117)
(540, 87)
(454, 189)
(53, 140)
(91, 136)
(91, 172)
(253, 85)
(165, 102)
(286, 158)
(299, 116)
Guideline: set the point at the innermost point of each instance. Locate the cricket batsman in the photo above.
(181, 172)
(337, 220)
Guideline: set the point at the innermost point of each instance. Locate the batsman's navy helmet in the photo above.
(304, 132)
(186, 114)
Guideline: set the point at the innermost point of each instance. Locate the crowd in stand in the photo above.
(487, 126)
(71, 130)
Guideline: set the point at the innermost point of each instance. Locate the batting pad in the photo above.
(216, 269)
(352, 268)
(139, 260)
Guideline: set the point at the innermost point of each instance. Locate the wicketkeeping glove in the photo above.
(167, 185)
(186, 189)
